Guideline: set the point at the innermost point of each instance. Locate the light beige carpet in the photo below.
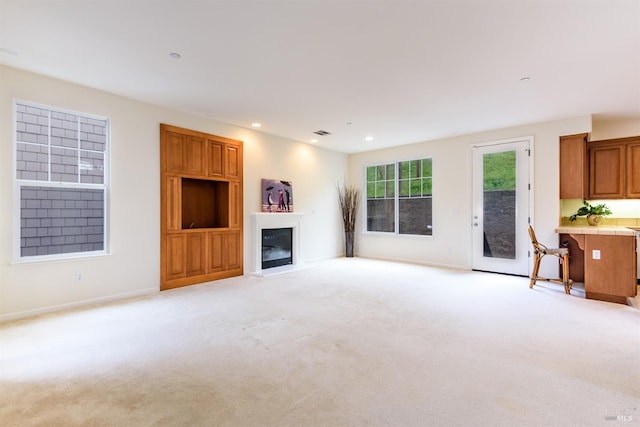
(347, 342)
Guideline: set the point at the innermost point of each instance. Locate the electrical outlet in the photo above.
(79, 277)
(595, 254)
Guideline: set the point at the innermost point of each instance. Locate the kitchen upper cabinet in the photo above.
(614, 171)
(573, 166)
(599, 169)
(633, 169)
(606, 171)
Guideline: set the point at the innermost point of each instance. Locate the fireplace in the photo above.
(275, 221)
(276, 247)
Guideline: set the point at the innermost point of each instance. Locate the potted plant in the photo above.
(593, 212)
(348, 198)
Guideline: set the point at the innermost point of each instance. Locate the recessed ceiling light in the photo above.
(175, 55)
(525, 79)
(368, 138)
(256, 125)
(313, 141)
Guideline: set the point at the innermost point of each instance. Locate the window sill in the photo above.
(57, 258)
(392, 234)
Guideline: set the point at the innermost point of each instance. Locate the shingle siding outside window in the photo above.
(61, 176)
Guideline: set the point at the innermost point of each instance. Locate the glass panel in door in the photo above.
(499, 204)
(501, 197)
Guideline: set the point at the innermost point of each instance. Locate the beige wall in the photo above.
(133, 266)
(450, 244)
(606, 128)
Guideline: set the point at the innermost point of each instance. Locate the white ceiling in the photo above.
(400, 71)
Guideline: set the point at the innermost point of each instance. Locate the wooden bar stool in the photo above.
(539, 251)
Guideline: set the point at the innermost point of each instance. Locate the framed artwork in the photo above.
(277, 196)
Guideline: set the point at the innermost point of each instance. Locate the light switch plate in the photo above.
(595, 254)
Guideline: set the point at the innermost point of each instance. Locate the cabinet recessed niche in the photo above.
(205, 203)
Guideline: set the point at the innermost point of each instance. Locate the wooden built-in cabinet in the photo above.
(607, 169)
(201, 207)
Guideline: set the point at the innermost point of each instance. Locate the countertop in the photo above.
(611, 230)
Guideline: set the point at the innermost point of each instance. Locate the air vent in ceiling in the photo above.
(322, 132)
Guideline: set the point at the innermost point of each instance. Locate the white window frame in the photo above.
(18, 184)
(396, 231)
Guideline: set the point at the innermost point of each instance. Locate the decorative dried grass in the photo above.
(349, 199)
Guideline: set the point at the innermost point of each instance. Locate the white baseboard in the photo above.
(418, 262)
(50, 309)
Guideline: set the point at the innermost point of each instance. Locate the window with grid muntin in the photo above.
(61, 175)
(410, 206)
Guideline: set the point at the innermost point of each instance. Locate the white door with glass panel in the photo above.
(501, 206)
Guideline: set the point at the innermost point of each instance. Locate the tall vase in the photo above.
(348, 240)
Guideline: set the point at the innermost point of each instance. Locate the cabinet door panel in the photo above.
(173, 152)
(233, 249)
(233, 163)
(194, 156)
(215, 252)
(196, 254)
(606, 172)
(175, 256)
(215, 152)
(614, 273)
(172, 202)
(235, 204)
(633, 170)
(573, 166)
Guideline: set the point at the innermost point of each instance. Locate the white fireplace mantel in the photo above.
(262, 220)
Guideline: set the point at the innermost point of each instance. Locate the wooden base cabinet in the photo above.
(605, 263)
(201, 212)
(612, 276)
